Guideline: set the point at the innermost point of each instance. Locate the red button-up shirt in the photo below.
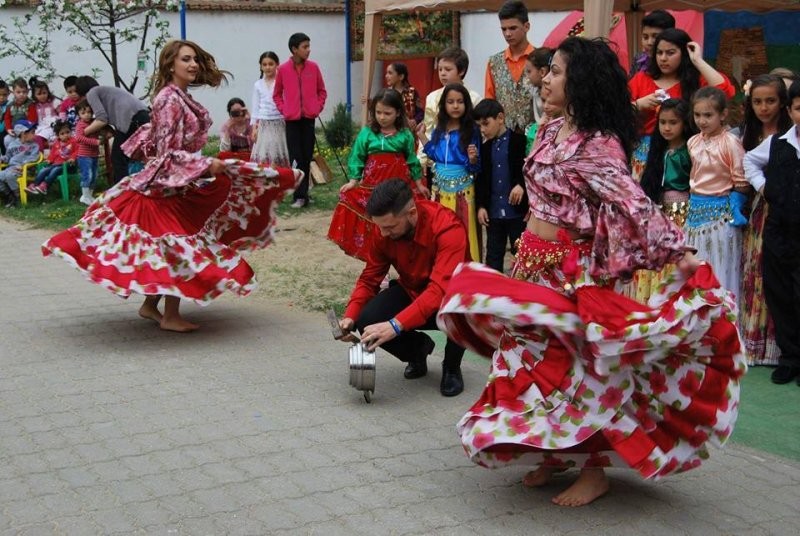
(424, 264)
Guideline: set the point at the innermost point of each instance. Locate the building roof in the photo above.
(275, 6)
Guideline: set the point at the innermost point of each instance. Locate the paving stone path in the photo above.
(110, 426)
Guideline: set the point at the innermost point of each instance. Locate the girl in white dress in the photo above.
(270, 131)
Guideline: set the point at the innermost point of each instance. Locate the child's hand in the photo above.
(472, 153)
(421, 133)
(217, 166)
(515, 196)
(688, 265)
(412, 124)
(349, 185)
(483, 217)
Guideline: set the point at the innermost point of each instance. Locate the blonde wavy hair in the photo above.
(209, 74)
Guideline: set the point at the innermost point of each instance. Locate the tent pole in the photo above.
(372, 22)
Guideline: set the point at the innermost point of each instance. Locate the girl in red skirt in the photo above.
(383, 150)
(176, 228)
(581, 376)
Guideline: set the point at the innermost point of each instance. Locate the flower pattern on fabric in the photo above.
(169, 144)
(584, 184)
(651, 384)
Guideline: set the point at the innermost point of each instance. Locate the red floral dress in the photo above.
(582, 376)
(173, 229)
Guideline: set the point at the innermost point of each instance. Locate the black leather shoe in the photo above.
(417, 368)
(785, 374)
(452, 382)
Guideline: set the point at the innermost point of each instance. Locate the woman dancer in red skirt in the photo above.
(581, 376)
(176, 228)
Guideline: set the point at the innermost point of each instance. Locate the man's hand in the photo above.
(483, 217)
(376, 334)
(347, 326)
(515, 197)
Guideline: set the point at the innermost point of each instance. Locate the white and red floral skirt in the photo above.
(185, 242)
(582, 376)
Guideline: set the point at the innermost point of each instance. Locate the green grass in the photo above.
(768, 415)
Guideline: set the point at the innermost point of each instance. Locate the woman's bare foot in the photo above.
(177, 324)
(539, 476)
(149, 309)
(591, 484)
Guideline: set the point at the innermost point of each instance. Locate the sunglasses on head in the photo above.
(239, 113)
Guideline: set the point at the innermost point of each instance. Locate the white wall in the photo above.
(236, 39)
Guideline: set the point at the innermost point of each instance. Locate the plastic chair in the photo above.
(22, 180)
(63, 180)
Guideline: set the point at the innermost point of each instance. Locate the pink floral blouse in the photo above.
(169, 144)
(584, 184)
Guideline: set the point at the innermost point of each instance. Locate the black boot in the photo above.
(418, 367)
(13, 200)
(452, 382)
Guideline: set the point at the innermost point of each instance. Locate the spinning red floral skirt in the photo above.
(582, 376)
(184, 242)
(351, 228)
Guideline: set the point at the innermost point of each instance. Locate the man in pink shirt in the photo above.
(300, 95)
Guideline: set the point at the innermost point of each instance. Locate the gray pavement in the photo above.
(110, 426)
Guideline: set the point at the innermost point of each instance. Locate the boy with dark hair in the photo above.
(653, 24)
(67, 112)
(773, 169)
(300, 96)
(451, 64)
(504, 71)
(499, 187)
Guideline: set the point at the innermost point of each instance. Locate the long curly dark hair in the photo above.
(688, 75)
(596, 91)
(654, 169)
(466, 129)
(752, 126)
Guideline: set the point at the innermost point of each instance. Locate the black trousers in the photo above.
(407, 345)
(782, 291)
(499, 233)
(119, 160)
(300, 140)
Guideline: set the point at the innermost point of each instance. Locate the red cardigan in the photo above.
(299, 93)
(642, 85)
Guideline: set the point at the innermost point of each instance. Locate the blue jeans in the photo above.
(48, 174)
(87, 165)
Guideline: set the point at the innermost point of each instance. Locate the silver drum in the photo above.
(362, 370)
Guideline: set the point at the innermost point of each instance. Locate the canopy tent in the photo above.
(597, 15)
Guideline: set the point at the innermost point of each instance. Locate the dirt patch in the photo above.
(303, 268)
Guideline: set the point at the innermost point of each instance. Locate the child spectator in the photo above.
(21, 149)
(773, 169)
(537, 65)
(451, 64)
(383, 150)
(300, 97)
(499, 186)
(397, 79)
(453, 149)
(67, 112)
(46, 112)
(4, 92)
(21, 107)
(236, 134)
(270, 136)
(717, 189)
(63, 150)
(765, 114)
(653, 24)
(88, 152)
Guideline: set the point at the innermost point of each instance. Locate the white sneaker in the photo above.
(300, 203)
(86, 200)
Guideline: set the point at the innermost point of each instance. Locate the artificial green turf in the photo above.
(769, 414)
